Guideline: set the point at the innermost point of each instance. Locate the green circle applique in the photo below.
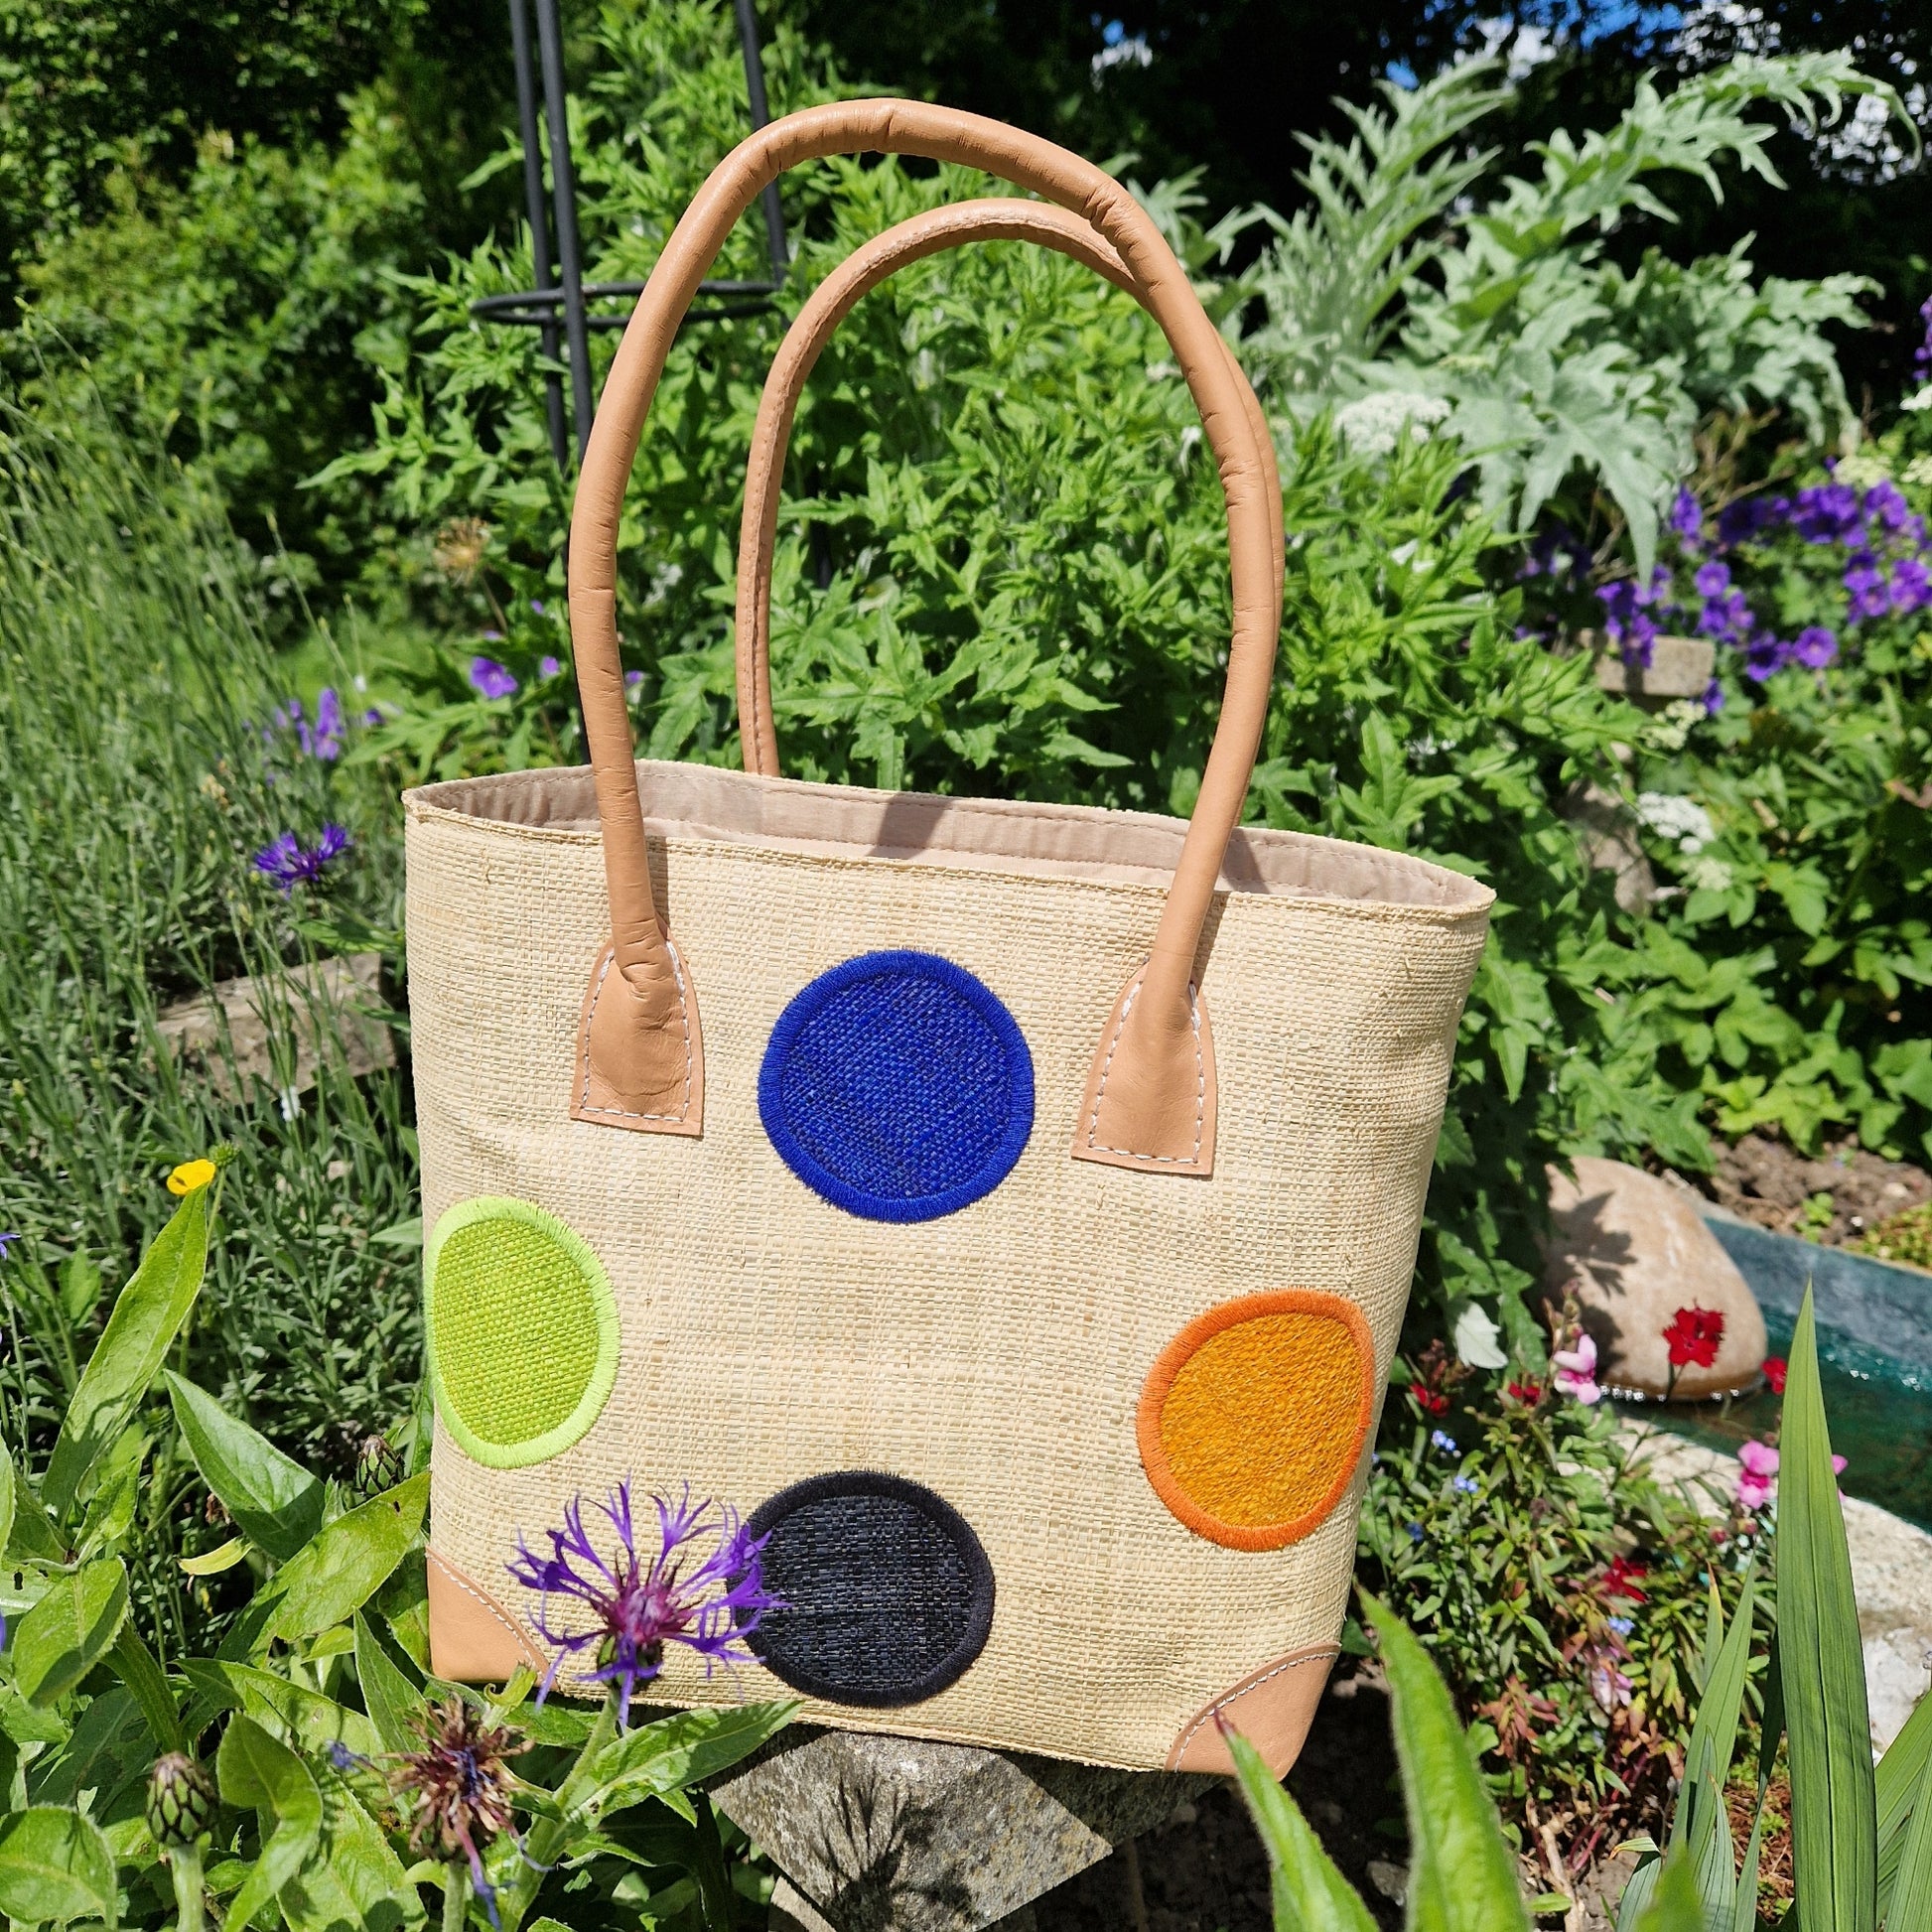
(521, 1329)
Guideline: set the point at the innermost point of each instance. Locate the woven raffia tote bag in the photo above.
(1009, 1209)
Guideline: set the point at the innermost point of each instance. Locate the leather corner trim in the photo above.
(471, 1638)
(1140, 1113)
(1272, 1707)
(630, 1070)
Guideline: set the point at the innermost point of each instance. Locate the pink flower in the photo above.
(1577, 1370)
(1608, 1685)
(1757, 1480)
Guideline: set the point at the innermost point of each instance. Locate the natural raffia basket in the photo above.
(1008, 1208)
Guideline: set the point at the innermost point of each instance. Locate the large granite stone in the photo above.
(897, 1835)
(1632, 1250)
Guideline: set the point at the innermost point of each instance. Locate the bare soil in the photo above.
(1834, 1197)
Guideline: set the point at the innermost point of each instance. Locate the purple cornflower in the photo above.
(1815, 647)
(1866, 588)
(548, 667)
(324, 738)
(1911, 586)
(290, 864)
(639, 1604)
(488, 679)
(1686, 518)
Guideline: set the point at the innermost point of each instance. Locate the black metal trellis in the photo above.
(571, 294)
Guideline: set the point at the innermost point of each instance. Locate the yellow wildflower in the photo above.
(189, 1175)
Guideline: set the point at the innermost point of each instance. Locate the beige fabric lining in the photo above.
(844, 822)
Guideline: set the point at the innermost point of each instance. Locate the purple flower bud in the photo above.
(490, 679)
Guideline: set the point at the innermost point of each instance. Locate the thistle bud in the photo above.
(181, 1800)
(378, 1467)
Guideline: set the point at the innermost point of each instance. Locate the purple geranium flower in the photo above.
(1713, 579)
(1739, 521)
(1884, 503)
(1714, 697)
(548, 667)
(1922, 355)
(1911, 586)
(490, 679)
(1866, 588)
(1765, 656)
(1815, 647)
(1727, 616)
(290, 864)
(1828, 513)
(1686, 518)
(638, 1603)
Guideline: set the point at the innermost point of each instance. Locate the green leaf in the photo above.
(303, 1717)
(257, 1772)
(331, 1577)
(147, 1316)
(1673, 1905)
(1910, 1907)
(392, 1700)
(6, 1498)
(354, 1879)
(1834, 1801)
(1462, 1877)
(1310, 1894)
(276, 1501)
(1745, 1901)
(681, 1750)
(1714, 1734)
(148, 1686)
(54, 1866)
(70, 1630)
(1899, 1774)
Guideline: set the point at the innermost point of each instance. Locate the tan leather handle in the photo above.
(1042, 223)
(1152, 1089)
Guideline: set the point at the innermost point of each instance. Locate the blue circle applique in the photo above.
(898, 1086)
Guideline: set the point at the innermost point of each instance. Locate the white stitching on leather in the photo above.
(684, 1020)
(453, 1574)
(1200, 1082)
(1221, 1704)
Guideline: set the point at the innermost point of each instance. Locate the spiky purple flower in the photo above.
(291, 863)
(638, 1604)
(490, 679)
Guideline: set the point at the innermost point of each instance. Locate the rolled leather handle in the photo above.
(1150, 1101)
(951, 227)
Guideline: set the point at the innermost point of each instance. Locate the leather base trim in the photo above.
(471, 1638)
(632, 1072)
(1136, 1112)
(1272, 1707)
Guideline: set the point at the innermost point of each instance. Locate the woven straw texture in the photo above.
(997, 1354)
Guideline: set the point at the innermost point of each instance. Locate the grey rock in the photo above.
(278, 1030)
(880, 1834)
(1679, 667)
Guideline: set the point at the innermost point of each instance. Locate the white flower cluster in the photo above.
(1672, 817)
(1373, 424)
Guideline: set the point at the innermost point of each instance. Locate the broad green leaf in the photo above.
(257, 1772)
(80, 1287)
(1910, 1908)
(1310, 1894)
(148, 1686)
(147, 1316)
(274, 1500)
(354, 1879)
(1834, 1801)
(392, 1700)
(1714, 1859)
(6, 1498)
(110, 1740)
(113, 1489)
(28, 1723)
(331, 1577)
(1462, 1875)
(54, 1866)
(1897, 1779)
(304, 1717)
(681, 1751)
(1673, 1905)
(403, 1604)
(70, 1630)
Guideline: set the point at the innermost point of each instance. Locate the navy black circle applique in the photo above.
(898, 1086)
(888, 1593)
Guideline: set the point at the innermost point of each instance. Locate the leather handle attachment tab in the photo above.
(1150, 1098)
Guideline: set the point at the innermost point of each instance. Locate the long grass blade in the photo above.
(1910, 1906)
(1310, 1893)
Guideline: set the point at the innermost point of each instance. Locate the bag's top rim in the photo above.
(848, 822)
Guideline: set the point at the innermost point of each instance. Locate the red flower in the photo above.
(1619, 1579)
(1693, 1336)
(1428, 1400)
(1527, 1392)
(1774, 1373)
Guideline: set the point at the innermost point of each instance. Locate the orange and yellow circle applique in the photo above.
(1253, 1419)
